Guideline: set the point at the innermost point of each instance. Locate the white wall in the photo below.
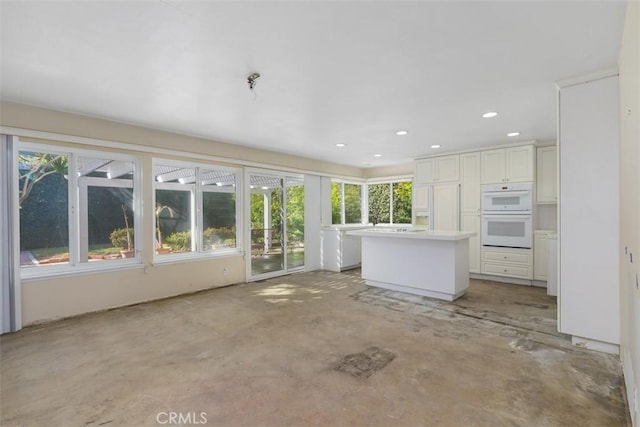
(630, 207)
(588, 293)
(312, 222)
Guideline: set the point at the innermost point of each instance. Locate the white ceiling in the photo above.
(332, 72)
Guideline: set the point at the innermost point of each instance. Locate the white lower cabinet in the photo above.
(540, 254)
(471, 222)
(339, 250)
(508, 262)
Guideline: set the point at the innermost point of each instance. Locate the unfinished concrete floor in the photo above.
(274, 354)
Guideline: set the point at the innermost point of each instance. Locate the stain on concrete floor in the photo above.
(365, 363)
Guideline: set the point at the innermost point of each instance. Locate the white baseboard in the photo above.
(501, 279)
(602, 346)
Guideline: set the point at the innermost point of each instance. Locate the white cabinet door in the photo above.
(425, 172)
(437, 169)
(540, 257)
(493, 166)
(547, 174)
(519, 164)
(513, 164)
(445, 207)
(470, 182)
(448, 168)
(421, 198)
(471, 222)
(350, 250)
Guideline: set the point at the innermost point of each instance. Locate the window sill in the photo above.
(194, 256)
(39, 273)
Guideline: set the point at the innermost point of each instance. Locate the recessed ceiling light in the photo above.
(435, 146)
(265, 188)
(489, 114)
(401, 132)
(341, 145)
(377, 155)
(513, 134)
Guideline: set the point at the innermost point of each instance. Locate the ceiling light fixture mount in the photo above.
(251, 80)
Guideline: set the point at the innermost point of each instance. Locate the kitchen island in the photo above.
(422, 262)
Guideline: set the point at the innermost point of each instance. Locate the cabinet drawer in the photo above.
(510, 257)
(507, 270)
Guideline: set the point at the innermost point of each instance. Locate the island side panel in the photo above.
(422, 266)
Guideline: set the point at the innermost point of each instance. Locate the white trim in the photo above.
(478, 149)
(596, 345)
(162, 151)
(196, 256)
(80, 269)
(11, 290)
(585, 78)
(390, 179)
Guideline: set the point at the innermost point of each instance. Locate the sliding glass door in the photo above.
(276, 229)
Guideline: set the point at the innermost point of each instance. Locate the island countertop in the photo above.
(412, 234)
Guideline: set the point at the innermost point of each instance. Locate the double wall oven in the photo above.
(506, 215)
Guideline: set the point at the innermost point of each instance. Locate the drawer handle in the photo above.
(505, 271)
(505, 257)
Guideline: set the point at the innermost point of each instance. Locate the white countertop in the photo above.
(345, 227)
(412, 234)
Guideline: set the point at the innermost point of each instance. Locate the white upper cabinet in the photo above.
(437, 169)
(470, 182)
(547, 174)
(421, 198)
(514, 164)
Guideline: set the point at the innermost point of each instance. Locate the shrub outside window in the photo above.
(390, 202)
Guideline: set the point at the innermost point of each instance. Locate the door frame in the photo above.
(247, 226)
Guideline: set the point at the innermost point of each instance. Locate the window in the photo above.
(195, 209)
(390, 203)
(219, 209)
(346, 203)
(76, 207)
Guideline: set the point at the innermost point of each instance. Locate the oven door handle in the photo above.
(493, 215)
(509, 193)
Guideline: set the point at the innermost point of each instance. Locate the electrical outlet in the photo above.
(225, 270)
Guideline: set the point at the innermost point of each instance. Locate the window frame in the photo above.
(390, 183)
(74, 207)
(197, 210)
(364, 206)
